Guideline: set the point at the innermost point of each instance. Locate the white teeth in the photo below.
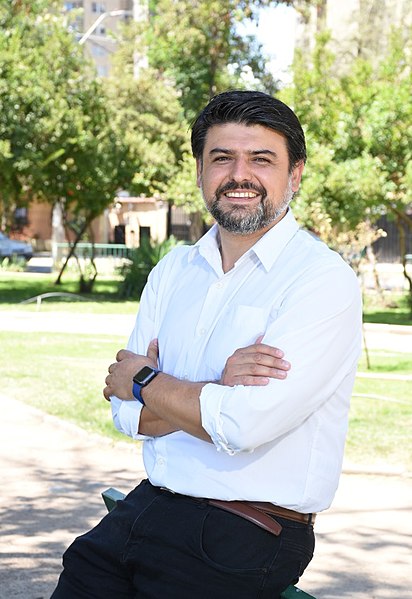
(241, 194)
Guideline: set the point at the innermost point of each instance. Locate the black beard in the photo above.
(239, 218)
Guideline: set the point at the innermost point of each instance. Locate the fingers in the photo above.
(153, 351)
(262, 354)
(123, 354)
(255, 365)
(119, 380)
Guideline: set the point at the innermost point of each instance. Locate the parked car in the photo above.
(11, 247)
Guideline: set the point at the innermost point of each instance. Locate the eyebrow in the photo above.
(251, 152)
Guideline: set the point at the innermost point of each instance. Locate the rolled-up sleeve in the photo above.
(126, 416)
(211, 398)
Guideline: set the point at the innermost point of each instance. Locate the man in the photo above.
(240, 451)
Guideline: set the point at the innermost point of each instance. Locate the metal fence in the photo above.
(101, 250)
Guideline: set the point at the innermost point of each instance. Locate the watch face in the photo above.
(145, 375)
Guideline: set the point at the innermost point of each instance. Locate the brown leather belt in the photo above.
(257, 512)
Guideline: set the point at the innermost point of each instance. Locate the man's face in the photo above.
(244, 177)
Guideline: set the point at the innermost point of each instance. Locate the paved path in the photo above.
(53, 473)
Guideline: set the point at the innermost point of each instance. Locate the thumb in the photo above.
(259, 339)
(153, 351)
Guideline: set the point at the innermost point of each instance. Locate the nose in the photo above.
(240, 170)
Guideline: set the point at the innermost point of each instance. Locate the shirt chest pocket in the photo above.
(238, 327)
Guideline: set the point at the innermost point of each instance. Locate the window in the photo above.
(71, 5)
(98, 7)
(144, 233)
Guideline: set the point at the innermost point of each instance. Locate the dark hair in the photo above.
(250, 108)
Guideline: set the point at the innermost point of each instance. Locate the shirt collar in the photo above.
(270, 246)
(267, 249)
(207, 245)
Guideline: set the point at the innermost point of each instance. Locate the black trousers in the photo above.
(156, 545)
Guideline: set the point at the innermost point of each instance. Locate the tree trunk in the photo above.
(71, 252)
(402, 251)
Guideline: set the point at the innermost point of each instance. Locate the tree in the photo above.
(58, 142)
(358, 127)
(24, 107)
(148, 111)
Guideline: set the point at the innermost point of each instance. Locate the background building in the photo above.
(101, 43)
(358, 27)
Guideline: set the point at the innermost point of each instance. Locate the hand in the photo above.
(254, 365)
(119, 381)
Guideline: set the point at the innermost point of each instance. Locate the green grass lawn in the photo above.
(389, 362)
(386, 308)
(380, 426)
(20, 287)
(61, 374)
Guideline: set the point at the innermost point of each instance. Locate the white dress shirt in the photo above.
(282, 442)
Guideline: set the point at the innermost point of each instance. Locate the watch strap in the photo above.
(137, 393)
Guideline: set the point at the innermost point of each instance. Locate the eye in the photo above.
(222, 158)
(261, 160)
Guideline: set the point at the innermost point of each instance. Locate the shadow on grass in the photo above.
(19, 287)
(389, 316)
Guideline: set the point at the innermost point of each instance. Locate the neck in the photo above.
(233, 246)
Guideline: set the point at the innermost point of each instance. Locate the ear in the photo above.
(198, 172)
(297, 175)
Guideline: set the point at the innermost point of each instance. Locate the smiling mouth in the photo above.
(243, 195)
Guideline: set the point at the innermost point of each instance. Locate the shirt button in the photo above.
(202, 331)
(219, 285)
(160, 461)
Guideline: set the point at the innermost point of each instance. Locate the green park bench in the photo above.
(112, 496)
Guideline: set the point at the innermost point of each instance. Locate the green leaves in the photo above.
(197, 46)
(142, 261)
(358, 124)
(55, 121)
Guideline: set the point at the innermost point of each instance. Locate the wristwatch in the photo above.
(141, 379)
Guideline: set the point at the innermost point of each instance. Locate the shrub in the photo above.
(13, 264)
(142, 260)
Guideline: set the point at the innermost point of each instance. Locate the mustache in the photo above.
(246, 185)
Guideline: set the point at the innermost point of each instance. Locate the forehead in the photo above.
(244, 138)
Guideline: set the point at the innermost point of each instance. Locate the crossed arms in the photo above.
(173, 404)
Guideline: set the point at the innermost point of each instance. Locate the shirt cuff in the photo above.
(211, 397)
(126, 417)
